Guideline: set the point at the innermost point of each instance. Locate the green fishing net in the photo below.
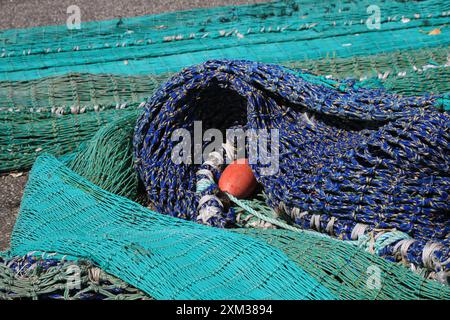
(58, 86)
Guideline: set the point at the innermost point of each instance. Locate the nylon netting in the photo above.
(269, 32)
(31, 277)
(330, 38)
(56, 114)
(163, 256)
(59, 87)
(194, 260)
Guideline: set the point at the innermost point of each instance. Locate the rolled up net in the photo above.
(351, 160)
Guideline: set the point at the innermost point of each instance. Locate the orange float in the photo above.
(238, 179)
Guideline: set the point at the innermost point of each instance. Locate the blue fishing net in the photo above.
(352, 161)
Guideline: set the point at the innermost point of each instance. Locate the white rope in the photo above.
(208, 197)
(358, 230)
(402, 247)
(205, 172)
(229, 150)
(428, 257)
(215, 159)
(207, 213)
(330, 226)
(315, 221)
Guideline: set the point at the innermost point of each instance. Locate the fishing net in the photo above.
(38, 278)
(165, 257)
(351, 160)
(196, 261)
(273, 32)
(56, 114)
(106, 159)
(343, 268)
(46, 97)
(59, 86)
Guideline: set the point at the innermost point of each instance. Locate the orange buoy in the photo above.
(238, 179)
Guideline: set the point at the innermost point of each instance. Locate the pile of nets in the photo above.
(58, 86)
(351, 160)
(167, 257)
(78, 93)
(348, 271)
